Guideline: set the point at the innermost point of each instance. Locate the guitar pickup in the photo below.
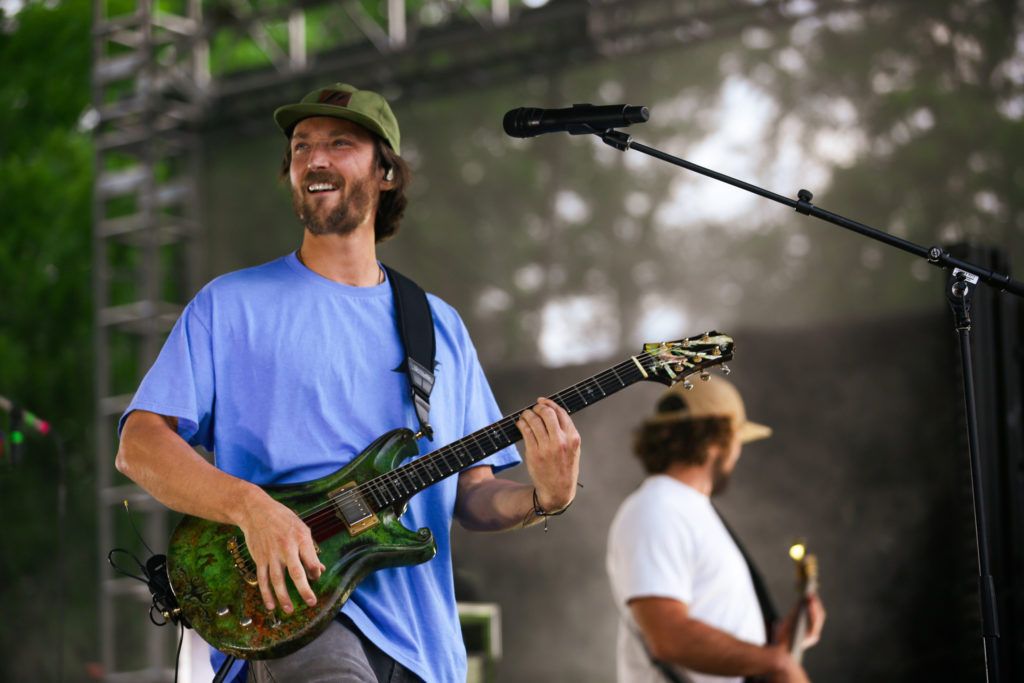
(352, 509)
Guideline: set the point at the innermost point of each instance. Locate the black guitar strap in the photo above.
(416, 328)
(764, 598)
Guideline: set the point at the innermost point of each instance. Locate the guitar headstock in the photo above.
(674, 361)
(806, 567)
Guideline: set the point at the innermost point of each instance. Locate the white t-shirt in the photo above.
(667, 541)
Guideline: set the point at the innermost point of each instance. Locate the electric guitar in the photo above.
(807, 586)
(353, 515)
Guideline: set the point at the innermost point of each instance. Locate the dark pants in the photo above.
(341, 654)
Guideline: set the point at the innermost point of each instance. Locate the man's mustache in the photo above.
(323, 177)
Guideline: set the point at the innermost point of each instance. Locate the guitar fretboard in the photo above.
(409, 479)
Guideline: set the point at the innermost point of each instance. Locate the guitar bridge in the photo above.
(241, 564)
(352, 509)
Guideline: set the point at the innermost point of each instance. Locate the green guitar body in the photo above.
(220, 600)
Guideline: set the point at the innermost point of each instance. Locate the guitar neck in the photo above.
(802, 622)
(411, 478)
(796, 649)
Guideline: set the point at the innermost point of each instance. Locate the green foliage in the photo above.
(938, 96)
(45, 334)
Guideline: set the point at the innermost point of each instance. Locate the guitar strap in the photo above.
(416, 328)
(764, 598)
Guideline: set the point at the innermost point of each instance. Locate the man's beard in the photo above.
(340, 220)
(720, 477)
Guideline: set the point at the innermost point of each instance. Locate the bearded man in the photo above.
(691, 608)
(285, 372)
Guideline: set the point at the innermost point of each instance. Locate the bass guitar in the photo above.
(354, 516)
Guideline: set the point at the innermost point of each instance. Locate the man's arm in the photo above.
(672, 636)
(486, 503)
(153, 456)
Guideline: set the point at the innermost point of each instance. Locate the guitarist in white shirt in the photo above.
(689, 608)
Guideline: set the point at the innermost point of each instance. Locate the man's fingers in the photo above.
(280, 587)
(564, 421)
(528, 425)
(562, 424)
(314, 568)
(545, 409)
(817, 618)
(298, 574)
(264, 581)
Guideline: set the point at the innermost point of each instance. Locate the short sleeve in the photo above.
(480, 407)
(651, 555)
(181, 382)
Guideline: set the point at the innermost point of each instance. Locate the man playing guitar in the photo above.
(686, 593)
(287, 370)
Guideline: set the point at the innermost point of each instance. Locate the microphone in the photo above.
(579, 119)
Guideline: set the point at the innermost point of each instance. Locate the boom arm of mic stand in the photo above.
(933, 255)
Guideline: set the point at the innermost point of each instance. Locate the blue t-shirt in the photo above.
(287, 376)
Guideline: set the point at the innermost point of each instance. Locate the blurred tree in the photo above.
(917, 109)
(45, 334)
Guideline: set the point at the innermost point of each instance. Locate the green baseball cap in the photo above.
(343, 101)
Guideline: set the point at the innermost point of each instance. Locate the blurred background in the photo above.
(138, 160)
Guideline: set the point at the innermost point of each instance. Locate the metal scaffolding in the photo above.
(149, 76)
(163, 69)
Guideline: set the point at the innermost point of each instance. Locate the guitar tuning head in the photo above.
(726, 369)
(705, 375)
(687, 385)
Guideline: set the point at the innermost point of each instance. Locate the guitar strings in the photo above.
(421, 465)
(321, 516)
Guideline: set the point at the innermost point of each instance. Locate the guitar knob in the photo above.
(245, 622)
(705, 375)
(687, 385)
(726, 369)
(223, 611)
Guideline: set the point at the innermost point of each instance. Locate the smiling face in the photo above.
(334, 175)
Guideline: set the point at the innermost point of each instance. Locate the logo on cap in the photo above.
(335, 97)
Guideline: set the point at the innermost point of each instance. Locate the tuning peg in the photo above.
(726, 369)
(705, 375)
(687, 385)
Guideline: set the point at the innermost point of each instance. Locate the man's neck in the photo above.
(697, 477)
(347, 259)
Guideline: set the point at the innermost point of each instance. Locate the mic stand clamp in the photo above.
(617, 139)
(959, 294)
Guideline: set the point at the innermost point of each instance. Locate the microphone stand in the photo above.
(960, 288)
